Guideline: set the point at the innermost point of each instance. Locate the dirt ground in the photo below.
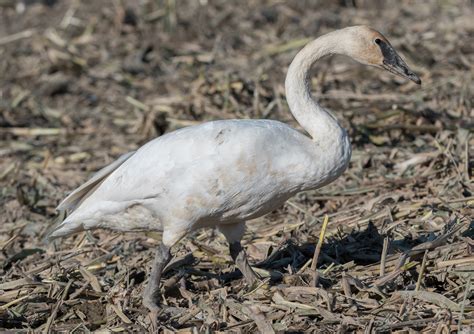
(83, 82)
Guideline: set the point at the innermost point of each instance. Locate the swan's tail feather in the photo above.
(67, 224)
(64, 228)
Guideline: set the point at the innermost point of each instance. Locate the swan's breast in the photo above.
(330, 158)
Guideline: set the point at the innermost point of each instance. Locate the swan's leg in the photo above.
(234, 234)
(151, 295)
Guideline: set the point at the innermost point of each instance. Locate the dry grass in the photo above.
(83, 82)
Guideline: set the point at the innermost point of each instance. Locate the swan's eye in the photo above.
(377, 41)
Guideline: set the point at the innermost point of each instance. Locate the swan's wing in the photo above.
(73, 200)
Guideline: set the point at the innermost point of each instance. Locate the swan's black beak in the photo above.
(392, 62)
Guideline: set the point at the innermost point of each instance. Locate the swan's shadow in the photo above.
(363, 247)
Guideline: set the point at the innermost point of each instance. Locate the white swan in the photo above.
(223, 173)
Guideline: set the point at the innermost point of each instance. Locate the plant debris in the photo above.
(84, 82)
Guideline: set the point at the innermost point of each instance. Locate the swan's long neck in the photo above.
(320, 124)
(331, 150)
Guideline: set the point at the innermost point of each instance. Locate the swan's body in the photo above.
(215, 173)
(223, 173)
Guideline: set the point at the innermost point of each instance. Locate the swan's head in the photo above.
(370, 47)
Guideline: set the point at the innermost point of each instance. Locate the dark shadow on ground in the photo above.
(363, 247)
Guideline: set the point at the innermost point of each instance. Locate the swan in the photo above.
(223, 173)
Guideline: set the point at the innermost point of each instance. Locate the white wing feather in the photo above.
(73, 200)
